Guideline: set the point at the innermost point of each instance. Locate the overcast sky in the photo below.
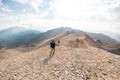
(88, 15)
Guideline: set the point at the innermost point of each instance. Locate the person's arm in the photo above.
(56, 44)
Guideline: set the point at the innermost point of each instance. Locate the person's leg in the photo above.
(53, 51)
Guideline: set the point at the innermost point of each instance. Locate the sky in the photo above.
(100, 16)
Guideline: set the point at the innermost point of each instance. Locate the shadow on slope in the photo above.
(113, 48)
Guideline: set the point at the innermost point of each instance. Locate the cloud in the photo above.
(5, 9)
(82, 11)
(7, 20)
(85, 10)
(116, 13)
(38, 5)
(0, 2)
(34, 3)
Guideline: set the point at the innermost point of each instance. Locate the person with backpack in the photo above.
(52, 46)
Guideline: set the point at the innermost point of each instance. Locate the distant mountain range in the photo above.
(51, 33)
(19, 36)
(16, 36)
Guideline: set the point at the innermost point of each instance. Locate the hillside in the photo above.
(103, 38)
(77, 58)
(113, 48)
(67, 64)
(8, 53)
(78, 41)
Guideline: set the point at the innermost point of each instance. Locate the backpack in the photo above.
(52, 45)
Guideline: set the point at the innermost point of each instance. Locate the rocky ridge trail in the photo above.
(67, 64)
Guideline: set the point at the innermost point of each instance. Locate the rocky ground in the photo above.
(67, 64)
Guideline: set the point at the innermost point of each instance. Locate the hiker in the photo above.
(52, 45)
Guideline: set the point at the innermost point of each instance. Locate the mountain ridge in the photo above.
(34, 37)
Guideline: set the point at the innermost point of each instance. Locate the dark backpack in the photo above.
(52, 45)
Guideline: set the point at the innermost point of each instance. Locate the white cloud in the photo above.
(4, 8)
(34, 3)
(21, 1)
(81, 10)
(84, 10)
